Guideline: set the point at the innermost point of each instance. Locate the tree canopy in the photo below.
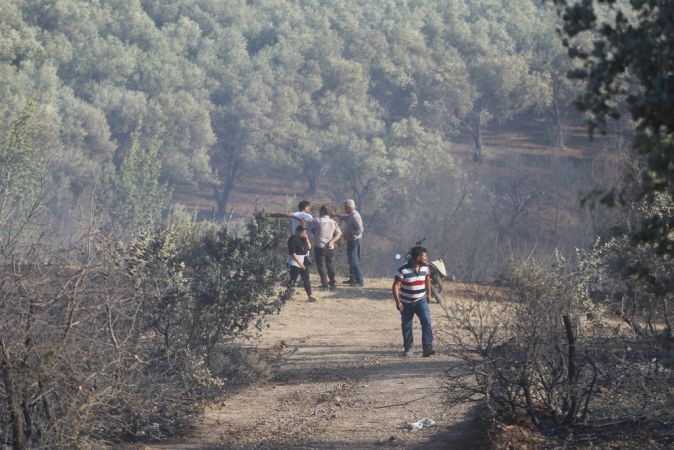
(273, 87)
(133, 101)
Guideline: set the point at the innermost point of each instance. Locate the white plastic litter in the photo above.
(439, 264)
(421, 424)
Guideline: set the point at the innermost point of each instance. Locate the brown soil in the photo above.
(341, 383)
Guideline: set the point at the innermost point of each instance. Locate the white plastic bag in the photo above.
(421, 424)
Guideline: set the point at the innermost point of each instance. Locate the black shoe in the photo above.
(324, 287)
(407, 352)
(358, 284)
(348, 282)
(428, 351)
(332, 287)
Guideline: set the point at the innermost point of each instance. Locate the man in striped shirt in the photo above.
(411, 292)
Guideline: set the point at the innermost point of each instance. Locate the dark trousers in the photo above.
(294, 272)
(325, 265)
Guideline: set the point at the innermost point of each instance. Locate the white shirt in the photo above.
(294, 222)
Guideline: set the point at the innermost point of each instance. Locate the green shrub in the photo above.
(204, 285)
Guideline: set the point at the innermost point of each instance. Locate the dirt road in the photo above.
(342, 383)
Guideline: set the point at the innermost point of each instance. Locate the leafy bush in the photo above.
(633, 279)
(103, 342)
(204, 286)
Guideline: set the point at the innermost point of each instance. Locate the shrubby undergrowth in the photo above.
(572, 345)
(104, 342)
(203, 285)
(521, 348)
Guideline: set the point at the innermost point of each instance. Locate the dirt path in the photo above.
(341, 384)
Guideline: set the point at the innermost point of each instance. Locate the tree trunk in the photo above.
(572, 382)
(477, 138)
(557, 116)
(221, 200)
(531, 410)
(222, 197)
(313, 183)
(13, 402)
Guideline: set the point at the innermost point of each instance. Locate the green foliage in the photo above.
(634, 281)
(331, 98)
(108, 336)
(22, 166)
(205, 285)
(240, 88)
(630, 66)
(631, 63)
(141, 197)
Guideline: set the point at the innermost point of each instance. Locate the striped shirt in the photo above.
(412, 284)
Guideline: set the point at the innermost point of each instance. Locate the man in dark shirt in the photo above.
(298, 248)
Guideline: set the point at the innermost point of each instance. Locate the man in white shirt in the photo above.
(301, 216)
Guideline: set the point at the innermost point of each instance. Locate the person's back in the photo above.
(323, 229)
(296, 246)
(325, 233)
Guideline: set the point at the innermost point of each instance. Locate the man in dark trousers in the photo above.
(325, 232)
(298, 249)
(411, 292)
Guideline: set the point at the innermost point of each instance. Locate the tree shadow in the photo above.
(333, 364)
(367, 293)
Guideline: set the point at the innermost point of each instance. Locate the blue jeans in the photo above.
(423, 312)
(353, 258)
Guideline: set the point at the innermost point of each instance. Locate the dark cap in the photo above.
(300, 228)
